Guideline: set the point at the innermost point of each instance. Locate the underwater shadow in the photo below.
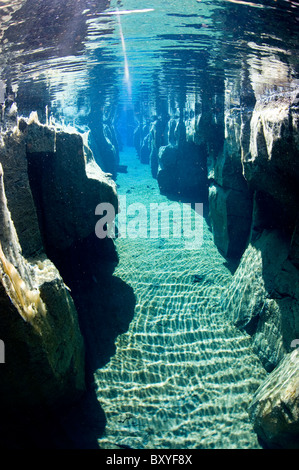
(77, 426)
(105, 306)
(192, 198)
(231, 264)
(280, 278)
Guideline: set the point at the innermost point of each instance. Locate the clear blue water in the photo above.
(180, 376)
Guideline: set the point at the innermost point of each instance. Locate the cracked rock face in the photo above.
(18, 192)
(44, 352)
(271, 165)
(263, 297)
(230, 201)
(275, 406)
(66, 184)
(50, 186)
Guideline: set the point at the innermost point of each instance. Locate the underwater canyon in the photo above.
(174, 324)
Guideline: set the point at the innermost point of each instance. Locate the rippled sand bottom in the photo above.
(182, 376)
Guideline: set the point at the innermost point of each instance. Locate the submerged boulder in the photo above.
(182, 167)
(263, 297)
(145, 150)
(158, 137)
(230, 214)
(67, 213)
(167, 174)
(104, 149)
(274, 410)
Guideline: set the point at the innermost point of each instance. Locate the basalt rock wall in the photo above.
(263, 297)
(249, 163)
(50, 186)
(44, 351)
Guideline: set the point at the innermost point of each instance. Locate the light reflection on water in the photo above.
(169, 46)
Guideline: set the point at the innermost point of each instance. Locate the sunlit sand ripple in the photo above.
(182, 376)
